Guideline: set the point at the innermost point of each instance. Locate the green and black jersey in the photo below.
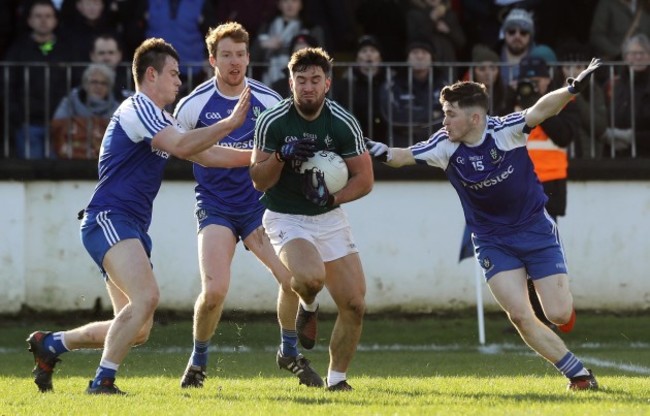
(335, 130)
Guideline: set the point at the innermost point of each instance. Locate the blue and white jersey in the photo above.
(495, 180)
(230, 190)
(130, 170)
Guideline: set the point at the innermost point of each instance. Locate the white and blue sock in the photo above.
(55, 343)
(289, 346)
(570, 366)
(200, 353)
(106, 369)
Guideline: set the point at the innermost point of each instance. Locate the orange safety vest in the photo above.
(550, 161)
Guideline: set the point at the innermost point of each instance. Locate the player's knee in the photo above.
(308, 283)
(146, 303)
(355, 309)
(214, 298)
(151, 301)
(521, 318)
(559, 317)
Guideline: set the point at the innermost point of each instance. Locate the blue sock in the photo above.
(569, 365)
(289, 346)
(106, 369)
(200, 353)
(55, 344)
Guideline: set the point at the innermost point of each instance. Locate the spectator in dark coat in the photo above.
(41, 45)
(359, 90)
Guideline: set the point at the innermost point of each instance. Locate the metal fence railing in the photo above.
(395, 106)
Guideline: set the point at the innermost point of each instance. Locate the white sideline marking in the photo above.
(632, 368)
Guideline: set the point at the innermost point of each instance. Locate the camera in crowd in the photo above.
(530, 69)
(527, 93)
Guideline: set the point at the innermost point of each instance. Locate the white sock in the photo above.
(334, 377)
(311, 307)
(583, 372)
(108, 364)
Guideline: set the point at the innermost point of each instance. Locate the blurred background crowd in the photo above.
(65, 63)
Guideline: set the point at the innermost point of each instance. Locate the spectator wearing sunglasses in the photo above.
(517, 33)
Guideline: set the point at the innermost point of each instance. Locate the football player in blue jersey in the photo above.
(486, 161)
(228, 207)
(136, 146)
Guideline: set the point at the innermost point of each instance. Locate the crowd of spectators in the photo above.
(398, 104)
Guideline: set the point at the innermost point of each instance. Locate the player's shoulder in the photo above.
(341, 115)
(498, 123)
(259, 88)
(337, 109)
(438, 141)
(276, 113)
(139, 105)
(201, 93)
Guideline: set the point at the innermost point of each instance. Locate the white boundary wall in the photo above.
(408, 232)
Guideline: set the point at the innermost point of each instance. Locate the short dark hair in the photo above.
(304, 58)
(35, 3)
(152, 52)
(107, 36)
(466, 94)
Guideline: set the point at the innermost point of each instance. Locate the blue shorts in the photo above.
(102, 230)
(537, 248)
(241, 224)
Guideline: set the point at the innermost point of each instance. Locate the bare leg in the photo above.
(306, 266)
(93, 334)
(555, 297)
(287, 305)
(510, 291)
(346, 283)
(130, 271)
(216, 250)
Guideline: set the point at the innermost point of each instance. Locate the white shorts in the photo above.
(329, 232)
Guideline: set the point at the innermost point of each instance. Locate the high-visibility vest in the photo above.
(550, 161)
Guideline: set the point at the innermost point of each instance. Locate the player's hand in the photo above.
(578, 84)
(300, 150)
(314, 188)
(240, 112)
(378, 150)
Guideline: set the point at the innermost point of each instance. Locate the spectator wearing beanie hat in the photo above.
(360, 88)
(517, 32)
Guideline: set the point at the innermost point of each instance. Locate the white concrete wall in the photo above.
(408, 232)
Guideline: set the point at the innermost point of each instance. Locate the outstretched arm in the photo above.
(186, 144)
(394, 157)
(551, 103)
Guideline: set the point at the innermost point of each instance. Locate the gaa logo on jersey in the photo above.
(494, 154)
(256, 112)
